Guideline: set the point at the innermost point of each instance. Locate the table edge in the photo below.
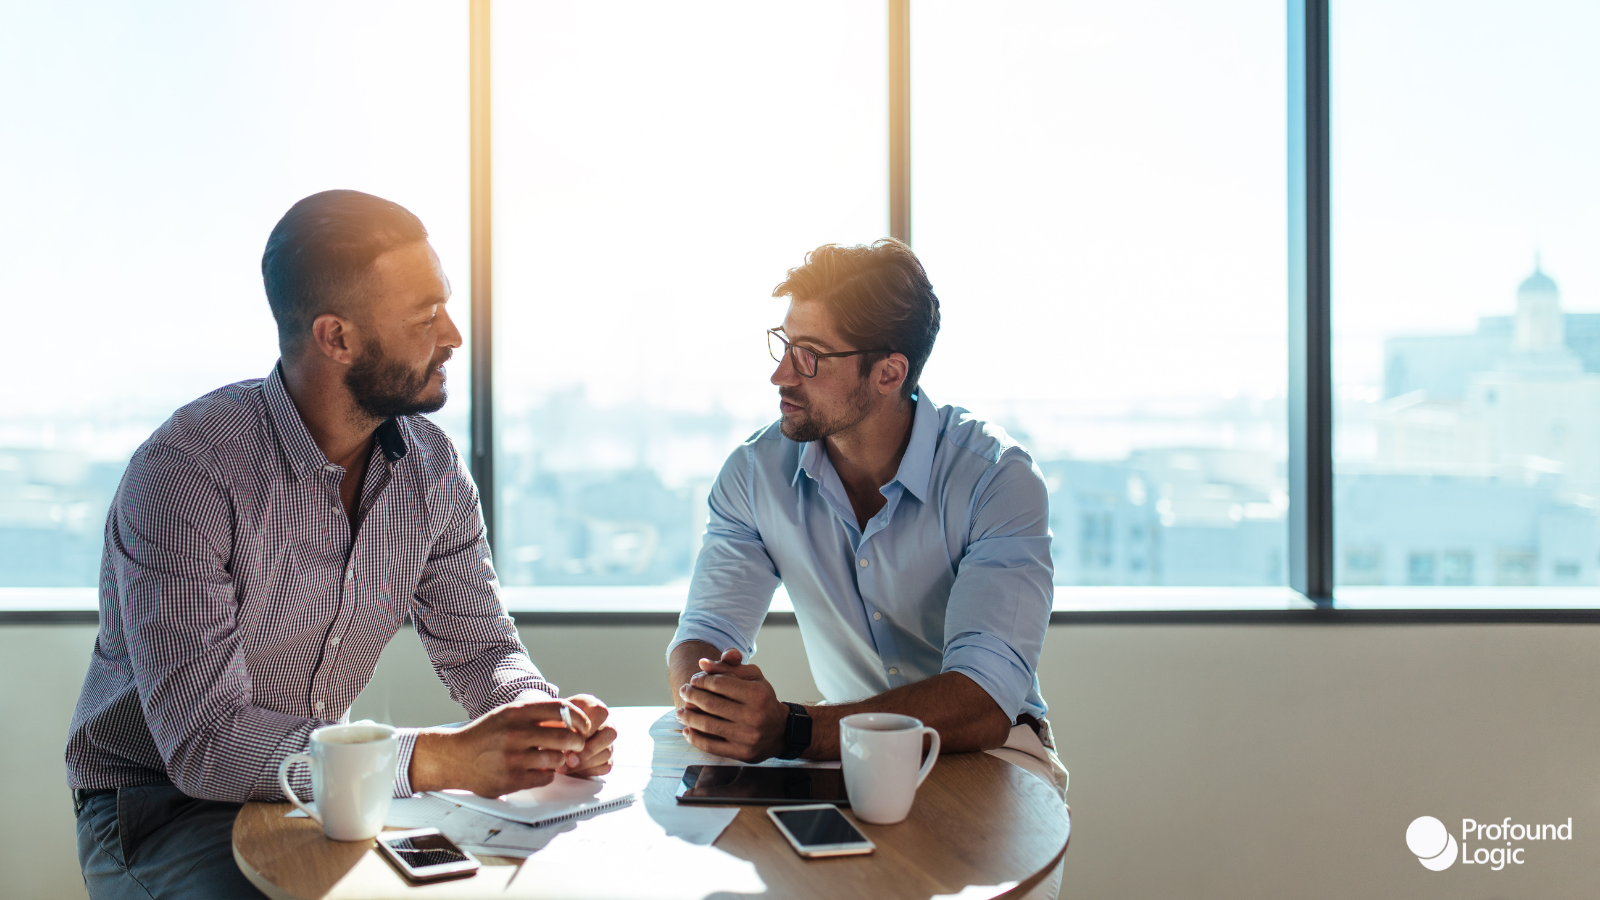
(260, 881)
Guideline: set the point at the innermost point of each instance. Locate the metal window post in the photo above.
(900, 120)
(481, 404)
(1311, 554)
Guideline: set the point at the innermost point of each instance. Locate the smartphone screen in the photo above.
(425, 850)
(818, 827)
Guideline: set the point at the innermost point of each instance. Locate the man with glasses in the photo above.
(912, 538)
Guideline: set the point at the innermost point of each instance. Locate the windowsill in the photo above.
(659, 606)
(1466, 597)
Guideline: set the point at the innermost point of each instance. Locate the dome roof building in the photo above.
(1539, 324)
(1538, 283)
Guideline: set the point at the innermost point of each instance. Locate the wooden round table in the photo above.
(981, 827)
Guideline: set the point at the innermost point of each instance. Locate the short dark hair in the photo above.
(879, 296)
(320, 253)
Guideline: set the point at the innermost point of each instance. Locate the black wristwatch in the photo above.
(796, 732)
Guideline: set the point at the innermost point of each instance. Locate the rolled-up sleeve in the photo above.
(168, 542)
(1000, 602)
(734, 576)
(462, 620)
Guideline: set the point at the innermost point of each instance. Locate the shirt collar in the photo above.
(299, 450)
(813, 457)
(392, 439)
(916, 465)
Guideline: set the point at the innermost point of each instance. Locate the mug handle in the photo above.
(283, 781)
(933, 754)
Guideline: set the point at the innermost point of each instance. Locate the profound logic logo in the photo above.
(1433, 843)
(1435, 846)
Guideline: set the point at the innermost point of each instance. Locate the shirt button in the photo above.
(319, 702)
(349, 574)
(877, 616)
(892, 671)
(334, 642)
(863, 564)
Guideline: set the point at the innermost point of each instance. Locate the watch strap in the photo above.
(796, 732)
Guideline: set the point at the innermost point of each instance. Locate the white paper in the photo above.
(630, 855)
(493, 836)
(422, 811)
(563, 798)
(698, 825)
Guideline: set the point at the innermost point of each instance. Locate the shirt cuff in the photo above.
(538, 695)
(722, 640)
(993, 665)
(407, 738)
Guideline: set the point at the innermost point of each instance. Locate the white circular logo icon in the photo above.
(1433, 844)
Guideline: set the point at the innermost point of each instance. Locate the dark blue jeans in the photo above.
(155, 841)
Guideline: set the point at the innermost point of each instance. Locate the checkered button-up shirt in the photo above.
(237, 614)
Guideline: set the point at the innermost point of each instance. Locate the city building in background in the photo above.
(1484, 462)
(617, 496)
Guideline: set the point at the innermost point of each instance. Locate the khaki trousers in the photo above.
(1037, 754)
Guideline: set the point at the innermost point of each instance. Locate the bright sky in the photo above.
(1464, 142)
(656, 175)
(1099, 186)
(151, 147)
(1099, 198)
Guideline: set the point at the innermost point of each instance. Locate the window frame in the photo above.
(1309, 597)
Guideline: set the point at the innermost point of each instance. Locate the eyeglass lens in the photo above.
(805, 362)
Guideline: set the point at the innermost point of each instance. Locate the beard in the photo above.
(385, 388)
(812, 425)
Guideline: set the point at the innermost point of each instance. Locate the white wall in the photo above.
(1207, 761)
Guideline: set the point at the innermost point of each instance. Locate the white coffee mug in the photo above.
(352, 776)
(881, 754)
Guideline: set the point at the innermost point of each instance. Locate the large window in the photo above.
(149, 149)
(659, 167)
(1124, 207)
(1098, 194)
(1466, 302)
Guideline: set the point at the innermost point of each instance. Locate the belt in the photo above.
(80, 796)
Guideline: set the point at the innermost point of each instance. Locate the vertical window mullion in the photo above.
(900, 120)
(481, 401)
(1310, 400)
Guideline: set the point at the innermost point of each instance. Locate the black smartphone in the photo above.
(423, 854)
(762, 785)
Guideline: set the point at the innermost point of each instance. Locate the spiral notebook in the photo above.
(559, 801)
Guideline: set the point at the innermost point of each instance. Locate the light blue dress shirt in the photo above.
(952, 575)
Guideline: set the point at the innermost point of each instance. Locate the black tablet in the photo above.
(762, 785)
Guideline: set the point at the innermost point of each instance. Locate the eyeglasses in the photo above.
(805, 359)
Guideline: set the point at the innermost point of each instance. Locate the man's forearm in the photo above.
(963, 713)
(684, 662)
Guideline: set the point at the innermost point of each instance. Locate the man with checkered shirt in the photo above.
(264, 546)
